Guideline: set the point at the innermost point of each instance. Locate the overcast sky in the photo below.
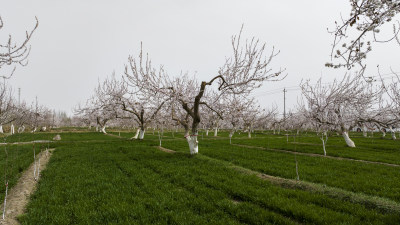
(80, 42)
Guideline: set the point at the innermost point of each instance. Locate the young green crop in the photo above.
(371, 179)
(131, 182)
(13, 161)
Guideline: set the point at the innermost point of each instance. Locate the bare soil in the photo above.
(18, 197)
(166, 149)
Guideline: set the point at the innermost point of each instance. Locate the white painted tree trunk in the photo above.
(137, 134)
(324, 140)
(364, 131)
(207, 132)
(34, 129)
(393, 133)
(349, 142)
(141, 134)
(215, 132)
(193, 144)
(21, 129)
(230, 136)
(249, 133)
(12, 131)
(160, 136)
(383, 134)
(103, 129)
(97, 128)
(1, 129)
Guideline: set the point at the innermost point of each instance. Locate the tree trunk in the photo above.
(1, 129)
(193, 143)
(364, 131)
(103, 129)
(324, 140)
(160, 136)
(383, 134)
(349, 142)
(207, 132)
(393, 133)
(137, 134)
(215, 132)
(249, 133)
(12, 129)
(230, 136)
(141, 134)
(21, 129)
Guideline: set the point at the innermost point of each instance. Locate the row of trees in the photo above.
(19, 115)
(146, 91)
(349, 103)
(340, 106)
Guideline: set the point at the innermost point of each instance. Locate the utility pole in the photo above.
(19, 96)
(284, 104)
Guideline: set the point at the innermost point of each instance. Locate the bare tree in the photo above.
(140, 106)
(240, 74)
(12, 54)
(335, 106)
(235, 108)
(101, 107)
(7, 106)
(391, 110)
(250, 115)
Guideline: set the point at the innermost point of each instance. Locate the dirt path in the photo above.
(166, 149)
(19, 195)
(113, 135)
(318, 155)
(27, 142)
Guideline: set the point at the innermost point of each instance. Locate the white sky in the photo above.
(79, 42)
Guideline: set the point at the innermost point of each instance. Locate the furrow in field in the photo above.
(318, 155)
(19, 195)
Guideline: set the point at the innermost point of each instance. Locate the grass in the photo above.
(370, 149)
(354, 176)
(94, 178)
(65, 137)
(125, 183)
(13, 161)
